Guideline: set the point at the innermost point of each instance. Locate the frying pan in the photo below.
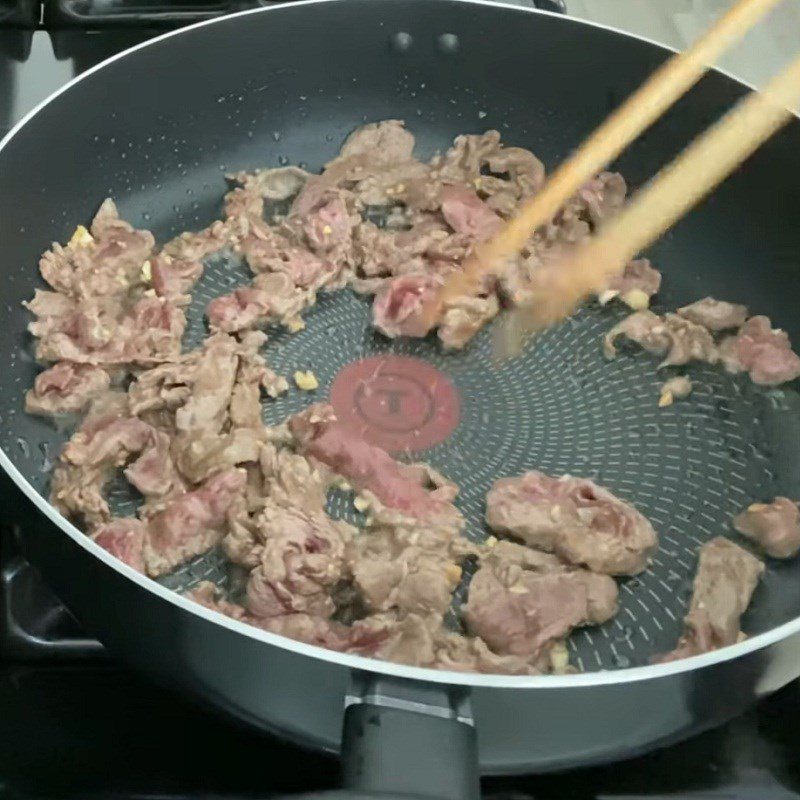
(157, 128)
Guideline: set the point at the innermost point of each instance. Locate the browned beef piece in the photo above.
(173, 278)
(194, 247)
(415, 574)
(471, 654)
(269, 251)
(464, 317)
(291, 478)
(363, 637)
(581, 522)
(154, 473)
(466, 213)
(716, 315)
(725, 581)
(301, 559)
(109, 331)
(66, 388)
(371, 150)
(252, 376)
(280, 183)
(107, 263)
(400, 305)
(764, 352)
(199, 455)
(106, 440)
(281, 478)
(191, 523)
(106, 313)
(206, 408)
(77, 492)
(638, 275)
(522, 602)
(273, 297)
(109, 439)
(774, 527)
(679, 340)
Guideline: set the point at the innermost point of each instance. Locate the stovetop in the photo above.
(75, 723)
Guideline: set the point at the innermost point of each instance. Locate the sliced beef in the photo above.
(106, 332)
(522, 603)
(371, 149)
(244, 308)
(638, 275)
(123, 537)
(774, 527)
(464, 317)
(399, 305)
(66, 388)
(280, 183)
(106, 440)
(382, 253)
(304, 269)
(725, 581)
(471, 654)
(368, 468)
(301, 559)
(469, 155)
(716, 315)
(173, 278)
(273, 297)
(765, 353)
(77, 492)
(192, 523)
(466, 213)
(206, 408)
(679, 340)
(154, 473)
(363, 637)
(104, 312)
(200, 455)
(291, 478)
(391, 573)
(106, 263)
(583, 523)
(195, 247)
(165, 387)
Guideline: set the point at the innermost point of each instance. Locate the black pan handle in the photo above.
(406, 741)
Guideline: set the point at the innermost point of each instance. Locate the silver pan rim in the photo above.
(361, 663)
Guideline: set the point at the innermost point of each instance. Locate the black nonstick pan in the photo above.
(159, 126)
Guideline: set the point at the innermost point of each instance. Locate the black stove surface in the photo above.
(76, 724)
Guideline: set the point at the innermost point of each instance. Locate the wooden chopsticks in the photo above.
(635, 115)
(559, 286)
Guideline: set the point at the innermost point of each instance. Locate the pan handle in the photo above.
(405, 740)
(557, 6)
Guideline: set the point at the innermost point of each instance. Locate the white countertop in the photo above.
(678, 22)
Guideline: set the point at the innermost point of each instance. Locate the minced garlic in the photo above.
(81, 237)
(307, 381)
(636, 299)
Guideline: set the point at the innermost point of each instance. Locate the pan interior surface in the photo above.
(560, 407)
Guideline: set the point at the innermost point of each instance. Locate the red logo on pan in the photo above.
(396, 402)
